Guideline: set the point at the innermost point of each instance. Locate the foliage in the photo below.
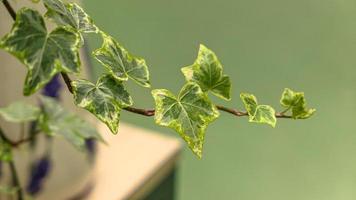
(47, 54)
(50, 54)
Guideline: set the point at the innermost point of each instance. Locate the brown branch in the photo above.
(232, 111)
(140, 111)
(67, 81)
(151, 112)
(10, 10)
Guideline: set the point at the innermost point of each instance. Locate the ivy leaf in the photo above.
(297, 103)
(207, 73)
(120, 63)
(45, 54)
(189, 114)
(250, 103)
(264, 114)
(258, 113)
(56, 120)
(70, 14)
(104, 99)
(20, 112)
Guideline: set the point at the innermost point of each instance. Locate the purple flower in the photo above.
(90, 145)
(53, 87)
(39, 172)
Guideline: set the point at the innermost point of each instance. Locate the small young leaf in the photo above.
(45, 54)
(120, 63)
(189, 114)
(207, 73)
(104, 99)
(70, 14)
(258, 113)
(56, 120)
(264, 114)
(250, 103)
(297, 103)
(20, 112)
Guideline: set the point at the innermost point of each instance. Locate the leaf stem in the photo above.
(15, 180)
(18, 142)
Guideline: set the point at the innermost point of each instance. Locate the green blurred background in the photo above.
(307, 45)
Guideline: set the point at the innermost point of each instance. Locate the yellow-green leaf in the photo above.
(264, 114)
(207, 72)
(189, 114)
(258, 113)
(296, 102)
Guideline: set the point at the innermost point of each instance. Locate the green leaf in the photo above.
(258, 113)
(189, 114)
(5, 151)
(70, 14)
(20, 112)
(120, 63)
(45, 54)
(104, 99)
(207, 72)
(297, 103)
(56, 120)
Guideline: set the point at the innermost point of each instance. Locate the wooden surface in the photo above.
(133, 163)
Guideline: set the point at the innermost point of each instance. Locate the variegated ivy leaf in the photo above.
(70, 14)
(104, 99)
(45, 54)
(189, 114)
(207, 72)
(56, 120)
(20, 112)
(258, 113)
(297, 103)
(120, 63)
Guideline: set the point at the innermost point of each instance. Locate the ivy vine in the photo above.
(48, 53)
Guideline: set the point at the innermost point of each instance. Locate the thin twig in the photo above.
(4, 137)
(67, 81)
(9, 9)
(15, 180)
(141, 111)
(232, 111)
(237, 113)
